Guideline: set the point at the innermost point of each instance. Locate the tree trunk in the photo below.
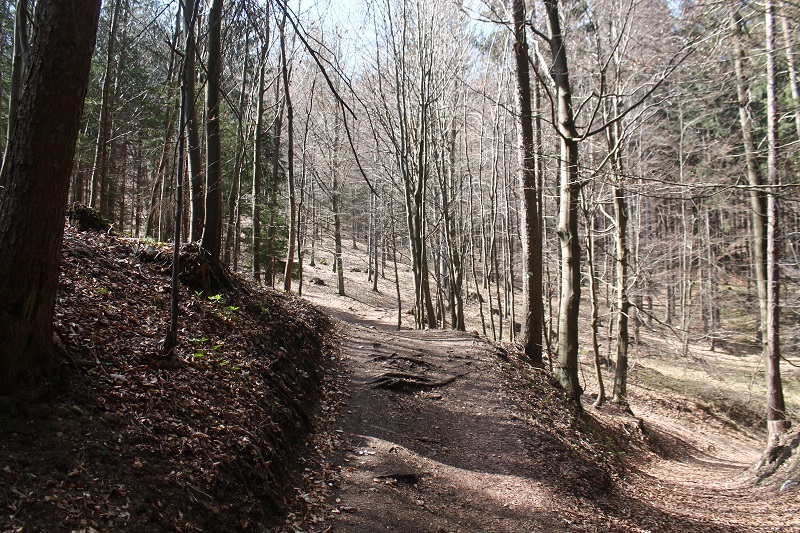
(290, 247)
(532, 314)
(212, 226)
(791, 66)
(590, 223)
(33, 192)
(758, 204)
(623, 304)
(192, 127)
(19, 55)
(568, 211)
(159, 181)
(231, 232)
(99, 191)
(776, 408)
(258, 165)
(337, 234)
(272, 193)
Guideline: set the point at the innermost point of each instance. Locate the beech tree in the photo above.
(33, 191)
(531, 218)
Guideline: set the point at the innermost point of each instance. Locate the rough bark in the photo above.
(33, 193)
(192, 128)
(212, 226)
(776, 407)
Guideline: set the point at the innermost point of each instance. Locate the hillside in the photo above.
(123, 440)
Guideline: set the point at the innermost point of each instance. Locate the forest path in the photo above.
(459, 456)
(442, 458)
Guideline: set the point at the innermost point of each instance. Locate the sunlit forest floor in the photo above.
(680, 462)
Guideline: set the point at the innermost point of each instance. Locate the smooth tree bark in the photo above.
(569, 188)
(171, 338)
(270, 270)
(336, 204)
(212, 226)
(620, 393)
(588, 215)
(533, 311)
(33, 191)
(776, 406)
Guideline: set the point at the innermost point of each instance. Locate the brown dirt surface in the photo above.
(124, 440)
(499, 448)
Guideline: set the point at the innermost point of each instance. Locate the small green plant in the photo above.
(228, 311)
(102, 291)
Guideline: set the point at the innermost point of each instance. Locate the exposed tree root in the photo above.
(398, 381)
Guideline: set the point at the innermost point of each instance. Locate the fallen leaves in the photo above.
(210, 442)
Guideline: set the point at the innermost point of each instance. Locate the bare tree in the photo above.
(531, 220)
(776, 407)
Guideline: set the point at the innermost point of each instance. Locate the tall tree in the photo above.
(758, 203)
(258, 155)
(293, 221)
(776, 406)
(190, 14)
(33, 191)
(569, 187)
(533, 313)
(99, 192)
(212, 227)
(234, 200)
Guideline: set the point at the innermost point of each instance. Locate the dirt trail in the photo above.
(442, 458)
(458, 456)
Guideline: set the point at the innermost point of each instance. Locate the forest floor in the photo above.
(355, 425)
(444, 431)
